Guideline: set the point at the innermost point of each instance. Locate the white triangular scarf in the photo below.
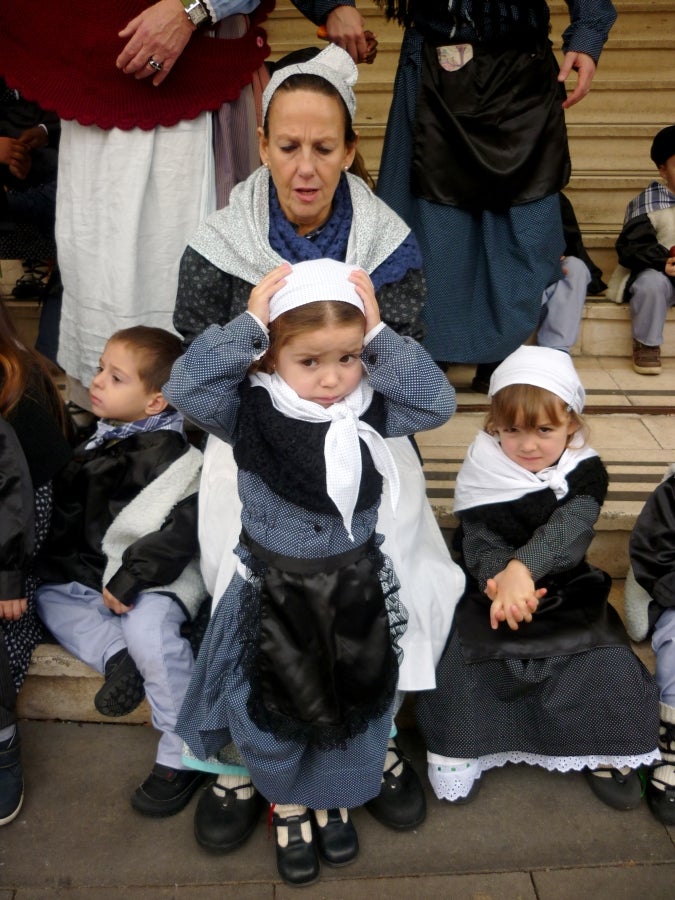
(487, 475)
(341, 447)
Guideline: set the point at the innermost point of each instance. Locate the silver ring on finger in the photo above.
(157, 66)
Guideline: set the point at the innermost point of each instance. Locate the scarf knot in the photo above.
(342, 453)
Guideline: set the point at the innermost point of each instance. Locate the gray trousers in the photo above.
(80, 621)
(651, 296)
(562, 306)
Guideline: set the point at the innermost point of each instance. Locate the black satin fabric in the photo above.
(574, 616)
(325, 665)
(492, 134)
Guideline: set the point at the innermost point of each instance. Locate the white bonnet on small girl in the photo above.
(315, 279)
(541, 367)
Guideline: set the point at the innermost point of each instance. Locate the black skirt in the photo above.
(580, 691)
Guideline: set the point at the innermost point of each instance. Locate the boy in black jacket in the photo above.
(120, 569)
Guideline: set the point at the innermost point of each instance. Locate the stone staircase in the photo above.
(632, 425)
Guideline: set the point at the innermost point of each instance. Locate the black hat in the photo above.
(663, 146)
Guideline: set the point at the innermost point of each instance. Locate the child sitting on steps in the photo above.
(120, 569)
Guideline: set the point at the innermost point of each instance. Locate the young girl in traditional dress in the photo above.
(299, 664)
(538, 668)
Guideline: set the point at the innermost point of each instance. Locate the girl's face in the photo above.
(536, 448)
(323, 365)
(306, 152)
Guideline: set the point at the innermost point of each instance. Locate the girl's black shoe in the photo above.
(337, 840)
(297, 861)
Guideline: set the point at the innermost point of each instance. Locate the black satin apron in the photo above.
(491, 134)
(326, 665)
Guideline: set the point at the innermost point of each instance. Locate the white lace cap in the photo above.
(334, 64)
(315, 279)
(542, 367)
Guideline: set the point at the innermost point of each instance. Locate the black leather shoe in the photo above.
(166, 791)
(616, 790)
(401, 803)
(336, 841)
(297, 862)
(123, 689)
(223, 822)
(11, 780)
(661, 803)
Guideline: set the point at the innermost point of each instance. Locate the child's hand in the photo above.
(11, 610)
(513, 596)
(364, 288)
(114, 604)
(262, 293)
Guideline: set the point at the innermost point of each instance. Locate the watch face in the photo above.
(196, 13)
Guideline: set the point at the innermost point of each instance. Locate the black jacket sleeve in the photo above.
(17, 512)
(652, 545)
(638, 248)
(317, 10)
(158, 558)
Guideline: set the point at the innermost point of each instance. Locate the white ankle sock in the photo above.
(235, 781)
(285, 811)
(391, 758)
(321, 816)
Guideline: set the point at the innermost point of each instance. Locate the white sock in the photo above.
(242, 782)
(391, 758)
(665, 773)
(285, 811)
(321, 816)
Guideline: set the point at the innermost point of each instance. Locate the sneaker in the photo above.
(11, 780)
(646, 360)
(123, 688)
(618, 788)
(166, 791)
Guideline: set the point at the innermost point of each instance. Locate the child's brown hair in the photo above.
(522, 405)
(301, 319)
(156, 352)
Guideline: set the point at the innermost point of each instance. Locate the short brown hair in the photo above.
(521, 405)
(309, 317)
(156, 352)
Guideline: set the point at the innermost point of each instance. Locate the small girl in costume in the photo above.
(299, 665)
(538, 668)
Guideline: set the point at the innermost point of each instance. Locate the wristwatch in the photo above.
(196, 12)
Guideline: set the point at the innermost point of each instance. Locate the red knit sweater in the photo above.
(62, 55)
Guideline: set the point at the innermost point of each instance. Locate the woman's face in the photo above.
(306, 153)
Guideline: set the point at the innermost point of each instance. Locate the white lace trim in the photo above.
(452, 779)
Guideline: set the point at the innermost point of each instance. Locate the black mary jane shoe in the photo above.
(336, 841)
(616, 789)
(223, 821)
(297, 862)
(401, 803)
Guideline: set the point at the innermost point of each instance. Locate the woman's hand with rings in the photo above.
(156, 38)
(262, 293)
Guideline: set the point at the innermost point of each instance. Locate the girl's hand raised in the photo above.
(364, 288)
(262, 293)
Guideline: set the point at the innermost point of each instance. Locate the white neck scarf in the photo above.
(487, 475)
(342, 453)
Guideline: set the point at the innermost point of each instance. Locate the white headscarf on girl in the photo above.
(487, 475)
(327, 279)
